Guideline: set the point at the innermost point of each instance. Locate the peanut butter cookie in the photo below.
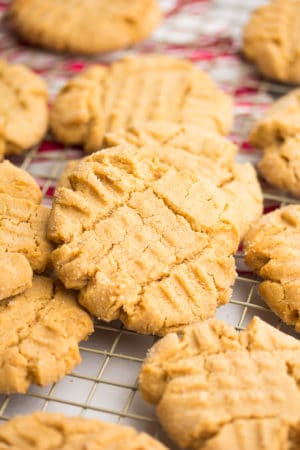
(23, 229)
(40, 331)
(278, 133)
(144, 242)
(272, 250)
(85, 26)
(280, 122)
(280, 165)
(226, 390)
(137, 89)
(188, 147)
(58, 432)
(23, 108)
(271, 40)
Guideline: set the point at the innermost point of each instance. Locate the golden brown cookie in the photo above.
(271, 40)
(137, 89)
(86, 26)
(280, 122)
(226, 390)
(143, 242)
(23, 108)
(23, 229)
(272, 249)
(40, 431)
(278, 133)
(280, 165)
(40, 331)
(188, 147)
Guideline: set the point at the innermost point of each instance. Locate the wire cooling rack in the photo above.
(209, 33)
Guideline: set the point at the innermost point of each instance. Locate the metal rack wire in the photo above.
(105, 384)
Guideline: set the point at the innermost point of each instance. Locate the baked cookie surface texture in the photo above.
(23, 108)
(271, 40)
(226, 390)
(15, 274)
(278, 134)
(23, 242)
(40, 331)
(58, 432)
(188, 147)
(142, 241)
(133, 90)
(272, 250)
(85, 26)
(280, 121)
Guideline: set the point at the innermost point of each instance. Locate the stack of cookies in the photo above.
(144, 229)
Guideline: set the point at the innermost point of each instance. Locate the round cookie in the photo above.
(272, 250)
(23, 226)
(40, 331)
(86, 26)
(137, 89)
(277, 132)
(144, 242)
(271, 40)
(190, 148)
(23, 108)
(226, 390)
(280, 165)
(280, 122)
(58, 432)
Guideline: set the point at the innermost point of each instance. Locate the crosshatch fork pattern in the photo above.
(207, 32)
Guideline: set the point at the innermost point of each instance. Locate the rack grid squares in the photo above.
(105, 384)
